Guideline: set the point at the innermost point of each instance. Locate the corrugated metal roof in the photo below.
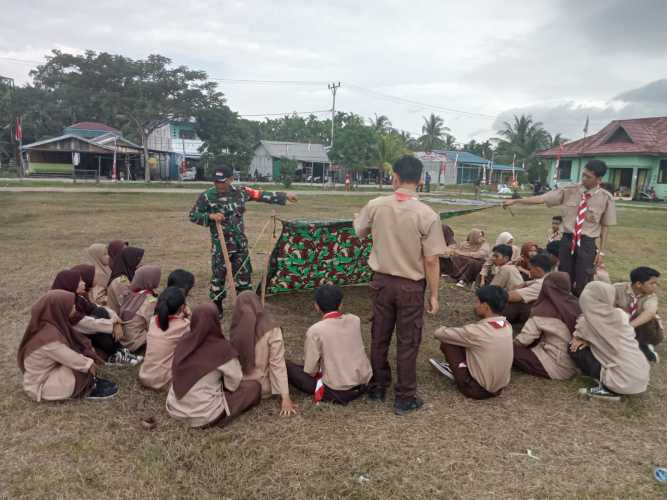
(97, 126)
(300, 151)
(464, 157)
(647, 136)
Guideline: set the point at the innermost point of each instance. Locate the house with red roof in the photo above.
(635, 151)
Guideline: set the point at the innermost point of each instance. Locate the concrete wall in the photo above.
(262, 162)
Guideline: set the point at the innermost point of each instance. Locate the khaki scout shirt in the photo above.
(116, 293)
(531, 291)
(625, 296)
(404, 230)
(270, 369)
(489, 350)
(335, 346)
(601, 208)
(155, 371)
(508, 277)
(553, 339)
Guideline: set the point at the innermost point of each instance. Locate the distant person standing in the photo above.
(348, 182)
(477, 186)
(427, 182)
(225, 203)
(407, 243)
(588, 211)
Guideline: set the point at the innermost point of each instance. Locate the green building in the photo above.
(634, 150)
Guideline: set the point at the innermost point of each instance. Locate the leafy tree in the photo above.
(388, 148)
(137, 95)
(354, 147)
(287, 171)
(523, 138)
(380, 124)
(433, 133)
(556, 140)
(483, 149)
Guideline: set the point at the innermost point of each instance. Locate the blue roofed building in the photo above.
(462, 167)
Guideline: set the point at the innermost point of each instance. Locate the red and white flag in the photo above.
(319, 388)
(18, 133)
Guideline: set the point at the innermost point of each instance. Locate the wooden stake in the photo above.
(265, 273)
(231, 284)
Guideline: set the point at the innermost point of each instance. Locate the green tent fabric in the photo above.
(311, 253)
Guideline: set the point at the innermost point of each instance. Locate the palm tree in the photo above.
(388, 148)
(433, 132)
(557, 140)
(523, 139)
(381, 124)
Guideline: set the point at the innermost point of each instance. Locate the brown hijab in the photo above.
(96, 253)
(126, 263)
(448, 233)
(525, 250)
(201, 350)
(68, 280)
(250, 322)
(49, 322)
(114, 248)
(474, 241)
(87, 273)
(144, 283)
(556, 300)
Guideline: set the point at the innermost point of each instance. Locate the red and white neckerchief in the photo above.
(401, 196)
(634, 306)
(319, 385)
(498, 323)
(579, 223)
(144, 292)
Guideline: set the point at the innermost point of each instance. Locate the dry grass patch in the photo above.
(452, 448)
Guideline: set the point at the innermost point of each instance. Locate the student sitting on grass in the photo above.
(259, 341)
(333, 352)
(101, 325)
(464, 261)
(164, 331)
(57, 362)
(185, 280)
(555, 233)
(528, 251)
(479, 355)
(489, 269)
(114, 249)
(639, 300)
(520, 300)
(139, 307)
(604, 346)
(99, 257)
(541, 348)
(122, 271)
(507, 275)
(207, 386)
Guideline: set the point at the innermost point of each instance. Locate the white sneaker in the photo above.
(656, 357)
(461, 284)
(124, 357)
(600, 392)
(442, 367)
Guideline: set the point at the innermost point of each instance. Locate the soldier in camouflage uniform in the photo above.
(226, 203)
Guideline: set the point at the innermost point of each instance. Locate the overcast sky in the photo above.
(560, 60)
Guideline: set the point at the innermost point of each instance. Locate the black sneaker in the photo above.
(443, 367)
(103, 389)
(403, 407)
(649, 352)
(377, 394)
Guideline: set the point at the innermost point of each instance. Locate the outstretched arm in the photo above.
(277, 198)
(200, 211)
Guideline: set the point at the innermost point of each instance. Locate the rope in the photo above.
(253, 247)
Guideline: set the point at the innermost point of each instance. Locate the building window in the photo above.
(186, 134)
(662, 172)
(565, 170)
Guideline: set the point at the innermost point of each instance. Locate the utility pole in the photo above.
(333, 87)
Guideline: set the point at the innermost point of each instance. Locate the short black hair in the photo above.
(504, 250)
(541, 260)
(643, 274)
(328, 298)
(597, 167)
(226, 170)
(494, 296)
(559, 218)
(553, 248)
(408, 168)
(180, 278)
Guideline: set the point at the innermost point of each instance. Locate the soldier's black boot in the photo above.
(218, 303)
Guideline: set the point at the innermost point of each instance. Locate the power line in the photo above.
(268, 82)
(288, 113)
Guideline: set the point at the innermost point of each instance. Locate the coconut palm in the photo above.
(380, 124)
(433, 133)
(522, 139)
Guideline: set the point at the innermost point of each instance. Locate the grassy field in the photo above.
(452, 448)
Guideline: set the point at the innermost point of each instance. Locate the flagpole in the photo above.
(513, 171)
(113, 166)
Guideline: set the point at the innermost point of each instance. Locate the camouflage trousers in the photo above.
(241, 269)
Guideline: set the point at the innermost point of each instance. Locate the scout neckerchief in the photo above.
(579, 223)
(401, 196)
(634, 304)
(319, 385)
(498, 323)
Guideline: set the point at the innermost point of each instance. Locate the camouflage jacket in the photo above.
(232, 205)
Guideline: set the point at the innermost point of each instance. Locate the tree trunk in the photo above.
(147, 167)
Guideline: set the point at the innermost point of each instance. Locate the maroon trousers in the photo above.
(247, 395)
(398, 303)
(526, 361)
(469, 387)
(579, 266)
(304, 382)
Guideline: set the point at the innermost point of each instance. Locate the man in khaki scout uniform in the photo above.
(588, 211)
(407, 243)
